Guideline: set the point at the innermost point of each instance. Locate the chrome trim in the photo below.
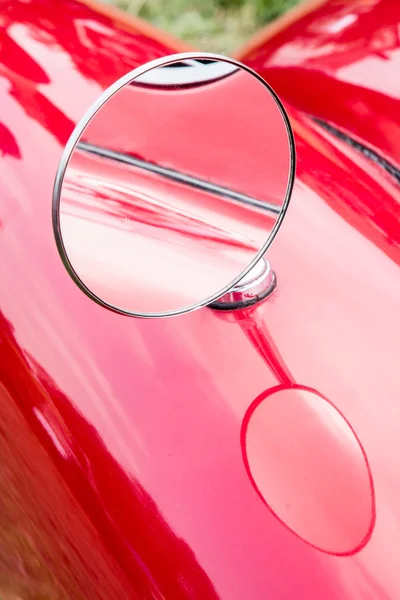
(259, 283)
(76, 134)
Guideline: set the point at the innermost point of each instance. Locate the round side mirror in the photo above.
(173, 185)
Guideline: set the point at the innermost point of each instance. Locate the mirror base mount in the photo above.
(258, 284)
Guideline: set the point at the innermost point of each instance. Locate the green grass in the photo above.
(209, 25)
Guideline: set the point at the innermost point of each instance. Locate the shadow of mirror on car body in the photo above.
(173, 185)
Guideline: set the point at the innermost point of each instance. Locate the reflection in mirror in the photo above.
(175, 186)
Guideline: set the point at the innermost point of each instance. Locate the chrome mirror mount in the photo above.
(257, 285)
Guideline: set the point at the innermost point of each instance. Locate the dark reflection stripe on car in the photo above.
(365, 150)
(179, 177)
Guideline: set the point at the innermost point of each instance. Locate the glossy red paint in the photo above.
(122, 472)
(339, 62)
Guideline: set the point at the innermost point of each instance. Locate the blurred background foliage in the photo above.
(209, 25)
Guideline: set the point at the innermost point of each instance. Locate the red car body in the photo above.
(252, 454)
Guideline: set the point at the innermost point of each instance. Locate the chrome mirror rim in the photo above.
(81, 126)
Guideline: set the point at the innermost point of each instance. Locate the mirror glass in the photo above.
(173, 185)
